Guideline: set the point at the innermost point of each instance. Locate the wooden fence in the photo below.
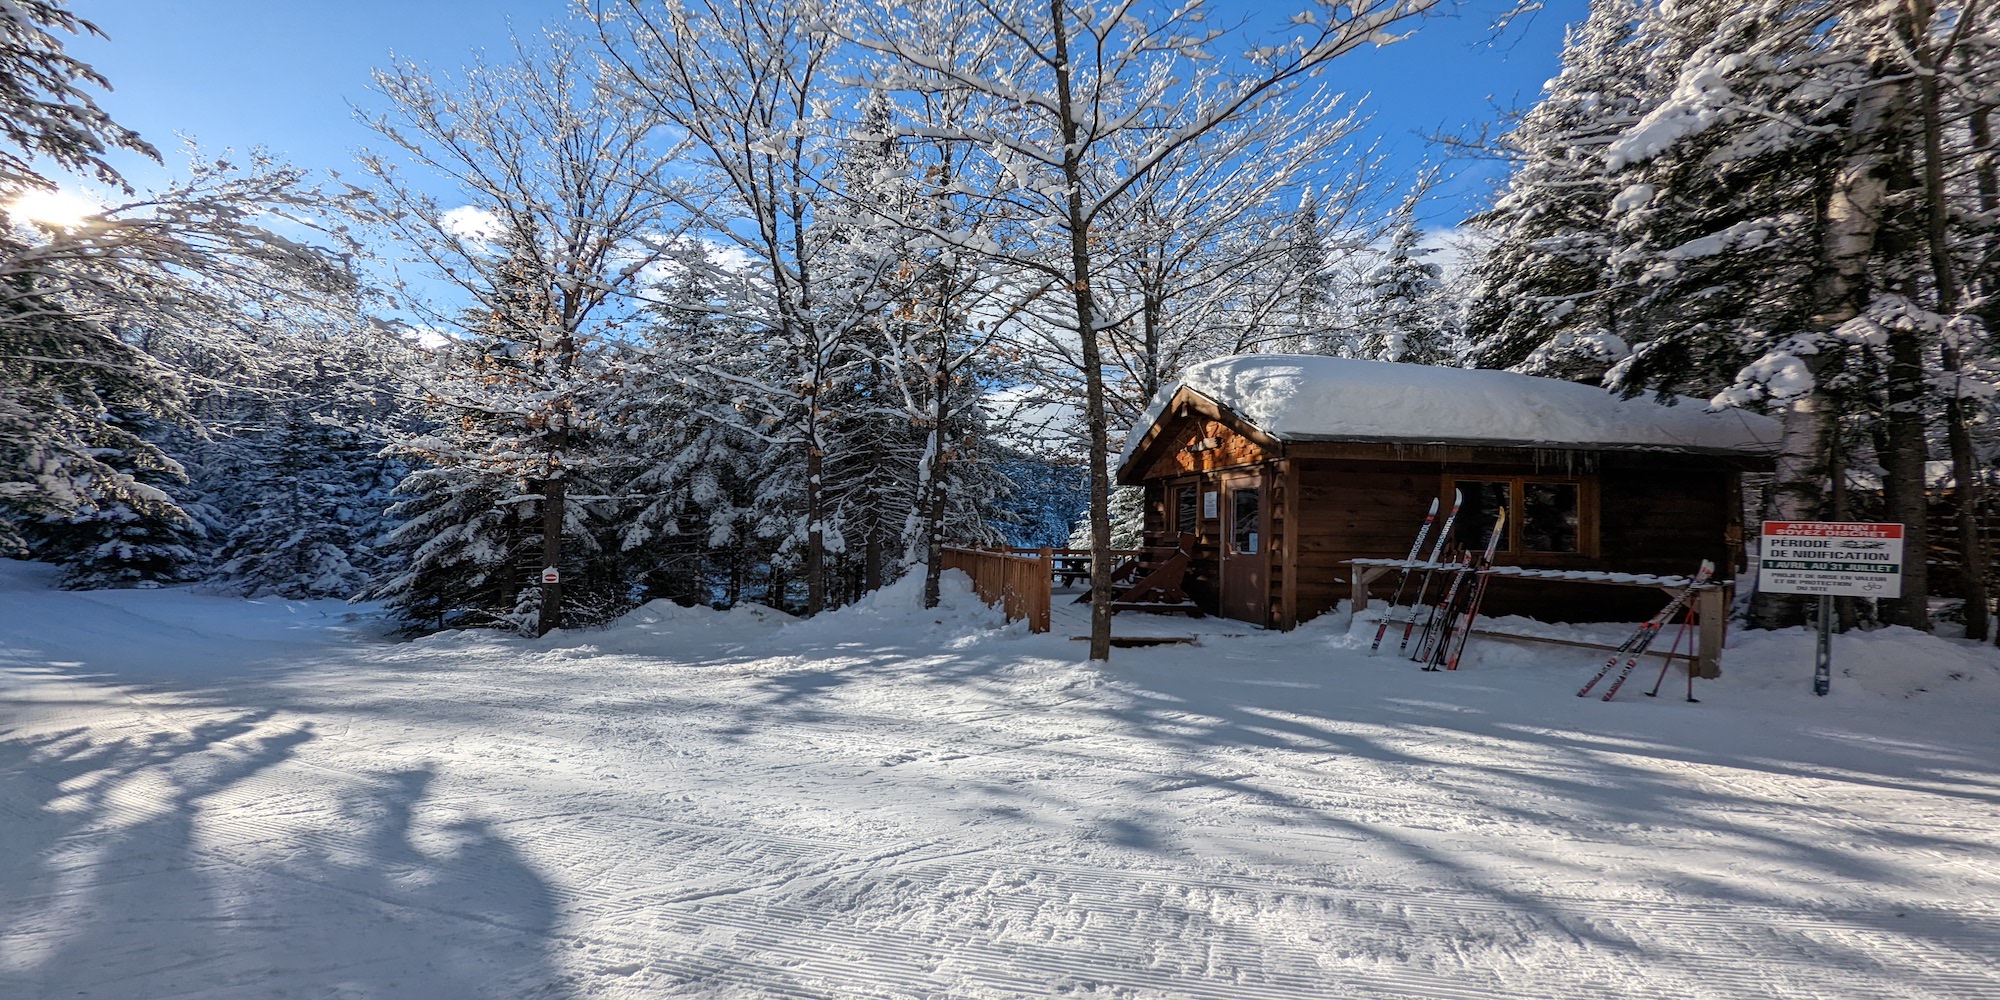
(1018, 583)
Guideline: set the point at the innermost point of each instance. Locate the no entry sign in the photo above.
(1832, 559)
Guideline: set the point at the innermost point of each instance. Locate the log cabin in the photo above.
(1287, 467)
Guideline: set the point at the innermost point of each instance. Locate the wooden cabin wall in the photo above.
(1654, 515)
(1328, 502)
(1353, 509)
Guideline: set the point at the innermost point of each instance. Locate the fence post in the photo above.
(1044, 586)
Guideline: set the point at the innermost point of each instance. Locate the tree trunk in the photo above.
(553, 496)
(1903, 479)
(815, 531)
(1093, 360)
(1798, 493)
(934, 495)
(1966, 473)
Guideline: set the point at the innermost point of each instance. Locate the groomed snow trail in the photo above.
(212, 798)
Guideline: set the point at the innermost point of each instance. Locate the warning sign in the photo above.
(1832, 558)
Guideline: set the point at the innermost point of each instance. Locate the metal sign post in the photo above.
(1830, 559)
(1823, 653)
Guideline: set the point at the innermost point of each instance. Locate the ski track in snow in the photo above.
(267, 801)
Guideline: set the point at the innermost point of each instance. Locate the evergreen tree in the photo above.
(516, 406)
(1543, 302)
(1402, 314)
(1770, 218)
(134, 534)
(318, 496)
(459, 540)
(689, 529)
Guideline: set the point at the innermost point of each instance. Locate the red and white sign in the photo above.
(1832, 558)
(550, 574)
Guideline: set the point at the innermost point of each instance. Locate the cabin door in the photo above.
(1246, 561)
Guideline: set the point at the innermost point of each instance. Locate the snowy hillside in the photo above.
(209, 797)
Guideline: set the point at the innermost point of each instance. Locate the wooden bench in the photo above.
(1710, 603)
(1159, 591)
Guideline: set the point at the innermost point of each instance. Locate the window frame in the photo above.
(1587, 510)
(1190, 488)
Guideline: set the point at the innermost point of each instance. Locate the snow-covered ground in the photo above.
(203, 797)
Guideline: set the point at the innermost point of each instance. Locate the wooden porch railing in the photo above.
(1018, 583)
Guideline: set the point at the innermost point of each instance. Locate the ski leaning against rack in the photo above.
(1404, 579)
(1687, 622)
(1478, 591)
(1430, 652)
(1635, 646)
(1437, 552)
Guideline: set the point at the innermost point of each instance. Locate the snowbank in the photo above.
(1311, 398)
(895, 615)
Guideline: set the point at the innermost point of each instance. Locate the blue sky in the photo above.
(283, 73)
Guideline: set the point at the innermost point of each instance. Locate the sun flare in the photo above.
(63, 209)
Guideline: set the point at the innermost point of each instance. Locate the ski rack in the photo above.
(1711, 603)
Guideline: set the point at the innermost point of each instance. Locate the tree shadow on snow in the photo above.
(201, 862)
(1558, 768)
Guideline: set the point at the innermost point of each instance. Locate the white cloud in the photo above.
(428, 337)
(470, 222)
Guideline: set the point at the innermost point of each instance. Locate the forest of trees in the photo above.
(748, 300)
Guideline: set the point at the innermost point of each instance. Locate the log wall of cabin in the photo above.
(1653, 515)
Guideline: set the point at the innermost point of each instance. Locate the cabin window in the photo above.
(1482, 501)
(1544, 516)
(1550, 516)
(1246, 508)
(1184, 509)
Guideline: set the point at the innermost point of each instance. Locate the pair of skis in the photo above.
(1446, 633)
(1404, 581)
(1642, 639)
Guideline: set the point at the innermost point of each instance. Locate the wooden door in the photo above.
(1246, 560)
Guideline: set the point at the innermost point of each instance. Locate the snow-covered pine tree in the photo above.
(871, 271)
(71, 394)
(458, 538)
(923, 359)
(1543, 300)
(515, 403)
(133, 534)
(315, 495)
(61, 375)
(1765, 234)
(688, 530)
(286, 467)
(1401, 312)
(1309, 319)
(746, 86)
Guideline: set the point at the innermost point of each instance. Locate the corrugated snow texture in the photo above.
(1308, 397)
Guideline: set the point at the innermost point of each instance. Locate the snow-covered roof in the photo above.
(1313, 398)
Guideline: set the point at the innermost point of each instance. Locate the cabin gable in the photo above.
(1195, 436)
